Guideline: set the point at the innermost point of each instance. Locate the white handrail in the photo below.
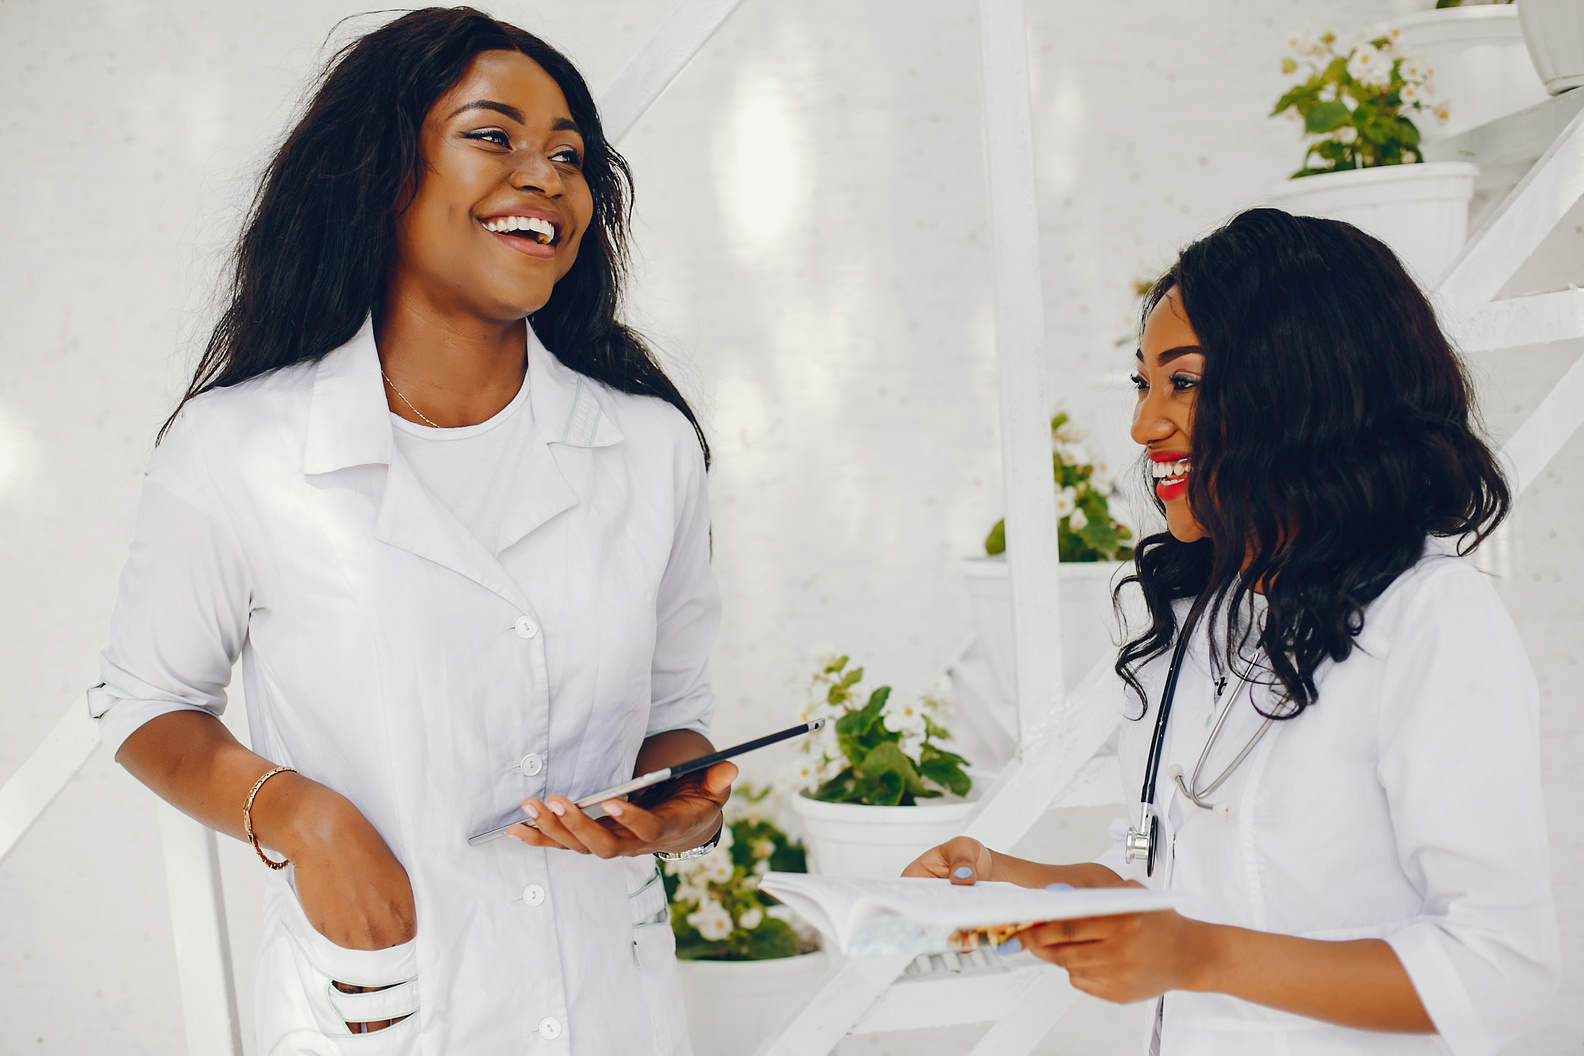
(30, 791)
(648, 73)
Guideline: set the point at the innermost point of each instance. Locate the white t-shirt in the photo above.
(473, 469)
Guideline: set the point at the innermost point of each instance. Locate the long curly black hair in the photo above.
(1333, 432)
(312, 259)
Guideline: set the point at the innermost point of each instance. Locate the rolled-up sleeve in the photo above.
(1460, 763)
(182, 613)
(687, 610)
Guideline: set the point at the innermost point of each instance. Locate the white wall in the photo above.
(814, 264)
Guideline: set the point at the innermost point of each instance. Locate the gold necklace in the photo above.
(405, 400)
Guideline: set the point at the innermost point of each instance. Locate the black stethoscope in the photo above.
(1142, 838)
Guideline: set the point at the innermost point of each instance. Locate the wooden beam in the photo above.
(1537, 441)
(1517, 227)
(659, 62)
(203, 942)
(30, 791)
(1520, 321)
(1020, 360)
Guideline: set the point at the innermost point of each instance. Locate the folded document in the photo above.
(867, 918)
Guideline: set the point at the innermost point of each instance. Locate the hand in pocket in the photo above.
(352, 889)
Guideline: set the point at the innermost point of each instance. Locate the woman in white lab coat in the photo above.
(451, 517)
(1371, 876)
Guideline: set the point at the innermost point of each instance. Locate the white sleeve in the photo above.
(687, 610)
(1460, 763)
(182, 614)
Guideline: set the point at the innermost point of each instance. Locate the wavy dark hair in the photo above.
(1332, 433)
(313, 256)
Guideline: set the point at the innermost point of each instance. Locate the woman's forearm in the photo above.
(194, 763)
(1025, 873)
(1358, 983)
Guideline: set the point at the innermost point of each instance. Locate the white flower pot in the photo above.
(1482, 68)
(1553, 30)
(849, 839)
(733, 1006)
(1088, 627)
(1420, 211)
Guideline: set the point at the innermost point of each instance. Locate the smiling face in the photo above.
(1169, 369)
(502, 203)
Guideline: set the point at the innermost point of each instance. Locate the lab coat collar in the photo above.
(349, 425)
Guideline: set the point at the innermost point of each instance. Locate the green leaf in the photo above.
(888, 761)
(995, 542)
(947, 774)
(1326, 117)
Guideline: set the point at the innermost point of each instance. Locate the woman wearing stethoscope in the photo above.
(464, 562)
(1330, 717)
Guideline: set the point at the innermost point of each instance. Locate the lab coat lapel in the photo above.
(349, 425)
(567, 413)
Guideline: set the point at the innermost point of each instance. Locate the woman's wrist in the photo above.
(293, 814)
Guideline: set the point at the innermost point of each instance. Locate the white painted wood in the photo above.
(1098, 784)
(648, 73)
(1042, 1001)
(1053, 757)
(841, 1000)
(945, 998)
(1020, 359)
(1517, 226)
(53, 764)
(203, 944)
(1519, 321)
(1537, 441)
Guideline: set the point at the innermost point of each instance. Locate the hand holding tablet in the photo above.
(593, 805)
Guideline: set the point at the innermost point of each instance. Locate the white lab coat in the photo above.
(1404, 805)
(388, 654)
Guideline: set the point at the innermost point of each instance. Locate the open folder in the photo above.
(868, 918)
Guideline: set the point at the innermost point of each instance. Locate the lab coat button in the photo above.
(526, 628)
(533, 895)
(549, 1028)
(531, 764)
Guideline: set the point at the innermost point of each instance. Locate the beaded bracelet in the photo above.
(247, 817)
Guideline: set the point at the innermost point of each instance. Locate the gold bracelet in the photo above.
(247, 817)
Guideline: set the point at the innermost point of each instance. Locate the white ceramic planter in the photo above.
(1421, 211)
(848, 839)
(1089, 630)
(733, 1006)
(1553, 30)
(1481, 65)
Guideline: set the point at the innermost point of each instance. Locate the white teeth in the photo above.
(1172, 471)
(543, 230)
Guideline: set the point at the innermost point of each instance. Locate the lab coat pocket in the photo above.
(654, 955)
(302, 1012)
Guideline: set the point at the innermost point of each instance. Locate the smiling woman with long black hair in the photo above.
(450, 515)
(1337, 707)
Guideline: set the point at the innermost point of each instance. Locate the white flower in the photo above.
(687, 894)
(1066, 501)
(911, 744)
(939, 686)
(763, 848)
(1416, 69)
(751, 918)
(1411, 94)
(904, 716)
(716, 866)
(1369, 65)
(711, 920)
(1077, 520)
(1443, 111)
(1347, 134)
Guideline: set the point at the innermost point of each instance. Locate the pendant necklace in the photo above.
(405, 400)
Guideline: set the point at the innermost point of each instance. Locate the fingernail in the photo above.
(514, 836)
(614, 809)
(556, 809)
(1059, 887)
(962, 872)
(531, 810)
(1009, 947)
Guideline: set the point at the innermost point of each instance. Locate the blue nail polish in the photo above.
(1058, 887)
(1009, 947)
(962, 872)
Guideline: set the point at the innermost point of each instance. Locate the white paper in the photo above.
(917, 915)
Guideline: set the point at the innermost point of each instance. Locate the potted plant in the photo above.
(869, 781)
(1481, 65)
(1553, 32)
(1363, 163)
(1092, 544)
(746, 962)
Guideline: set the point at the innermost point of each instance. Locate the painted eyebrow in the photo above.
(1172, 353)
(560, 124)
